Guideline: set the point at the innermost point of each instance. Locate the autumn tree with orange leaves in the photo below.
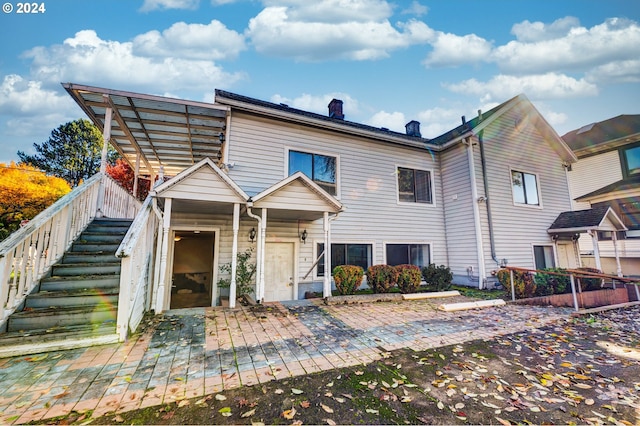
(125, 176)
(26, 191)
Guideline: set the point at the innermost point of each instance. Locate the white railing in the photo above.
(137, 254)
(29, 253)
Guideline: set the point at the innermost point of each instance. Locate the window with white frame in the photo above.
(525, 188)
(414, 186)
(346, 254)
(544, 257)
(408, 254)
(319, 168)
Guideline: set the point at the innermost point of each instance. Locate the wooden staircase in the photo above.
(76, 305)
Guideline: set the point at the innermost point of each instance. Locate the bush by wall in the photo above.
(587, 284)
(347, 278)
(525, 286)
(548, 284)
(438, 278)
(409, 277)
(382, 278)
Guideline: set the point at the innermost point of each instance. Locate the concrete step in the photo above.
(95, 246)
(100, 238)
(71, 282)
(72, 298)
(89, 257)
(86, 269)
(50, 318)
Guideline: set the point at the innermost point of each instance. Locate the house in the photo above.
(300, 192)
(607, 175)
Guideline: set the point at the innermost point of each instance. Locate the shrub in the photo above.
(382, 278)
(548, 284)
(438, 278)
(244, 273)
(347, 278)
(588, 284)
(525, 286)
(408, 278)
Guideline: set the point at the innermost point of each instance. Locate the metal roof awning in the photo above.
(167, 132)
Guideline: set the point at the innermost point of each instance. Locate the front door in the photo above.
(278, 271)
(566, 256)
(191, 280)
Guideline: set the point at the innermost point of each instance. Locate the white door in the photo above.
(566, 256)
(278, 271)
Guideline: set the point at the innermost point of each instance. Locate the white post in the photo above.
(614, 238)
(482, 273)
(234, 255)
(166, 223)
(596, 250)
(573, 291)
(136, 174)
(326, 290)
(513, 285)
(106, 135)
(263, 247)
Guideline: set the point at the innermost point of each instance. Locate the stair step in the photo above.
(89, 257)
(114, 221)
(75, 298)
(119, 229)
(100, 238)
(61, 317)
(95, 247)
(86, 269)
(70, 282)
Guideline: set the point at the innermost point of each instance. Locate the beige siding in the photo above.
(458, 213)
(205, 185)
(295, 196)
(518, 227)
(366, 182)
(592, 173)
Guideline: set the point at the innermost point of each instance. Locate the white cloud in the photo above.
(84, 58)
(436, 121)
(416, 9)
(543, 86)
(579, 49)
(352, 30)
(452, 50)
(21, 97)
(320, 104)
(616, 72)
(193, 41)
(536, 31)
(150, 5)
(391, 120)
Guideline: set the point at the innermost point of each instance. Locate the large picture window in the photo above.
(631, 160)
(525, 188)
(414, 186)
(346, 254)
(411, 254)
(319, 168)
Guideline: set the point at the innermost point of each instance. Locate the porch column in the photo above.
(106, 136)
(162, 284)
(596, 250)
(614, 239)
(326, 288)
(263, 247)
(234, 255)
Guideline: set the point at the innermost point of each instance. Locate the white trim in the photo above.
(427, 243)
(304, 150)
(545, 244)
(255, 201)
(315, 253)
(538, 206)
(415, 203)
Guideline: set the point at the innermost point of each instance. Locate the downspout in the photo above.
(259, 255)
(483, 161)
(476, 214)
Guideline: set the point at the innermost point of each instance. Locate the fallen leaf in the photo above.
(405, 399)
(582, 386)
(326, 408)
(225, 411)
(288, 414)
(118, 419)
(589, 401)
(385, 384)
(183, 403)
(305, 404)
(503, 421)
(248, 413)
(330, 422)
(440, 405)
(358, 373)
(372, 411)
(220, 397)
(278, 391)
(296, 391)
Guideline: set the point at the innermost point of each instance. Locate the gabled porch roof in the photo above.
(600, 218)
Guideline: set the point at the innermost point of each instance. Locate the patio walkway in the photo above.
(191, 353)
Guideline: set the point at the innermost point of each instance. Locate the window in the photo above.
(414, 186)
(525, 188)
(608, 235)
(630, 215)
(346, 254)
(543, 256)
(412, 254)
(631, 160)
(320, 168)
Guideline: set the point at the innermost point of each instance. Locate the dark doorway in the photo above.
(192, 269)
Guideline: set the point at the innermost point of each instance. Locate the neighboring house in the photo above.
(289, 185)
(607, 174)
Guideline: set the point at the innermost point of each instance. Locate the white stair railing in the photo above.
(137, 254)
(30, 252)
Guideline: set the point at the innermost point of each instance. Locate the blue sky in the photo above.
(390, 62)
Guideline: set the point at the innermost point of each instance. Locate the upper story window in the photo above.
(525, 188)
(631, 161)
(414, 186)
(320, 168)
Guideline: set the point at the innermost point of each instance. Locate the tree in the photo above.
(73, 152)
(125, 176)
(26, 192)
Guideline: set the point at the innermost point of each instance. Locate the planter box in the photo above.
(586, 299)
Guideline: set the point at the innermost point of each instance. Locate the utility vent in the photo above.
(335, 109)
(413, 128)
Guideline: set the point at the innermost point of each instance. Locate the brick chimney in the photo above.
(413, 128)
(335, 109)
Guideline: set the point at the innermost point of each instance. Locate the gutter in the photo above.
(492, 241)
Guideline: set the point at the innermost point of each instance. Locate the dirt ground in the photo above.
(585, 370)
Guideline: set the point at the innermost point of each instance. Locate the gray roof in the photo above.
(580, 218)
(604, 135)
(632, 182)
